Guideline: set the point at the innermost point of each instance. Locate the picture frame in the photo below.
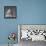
(36, 32)
(10, 12)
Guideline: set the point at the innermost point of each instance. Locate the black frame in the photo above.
(13, 7)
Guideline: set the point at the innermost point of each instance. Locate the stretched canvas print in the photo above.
(9, 11)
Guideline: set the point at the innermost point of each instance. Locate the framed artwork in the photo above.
(10, 12)
(32, 32)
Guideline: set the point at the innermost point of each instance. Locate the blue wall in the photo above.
(28, 12)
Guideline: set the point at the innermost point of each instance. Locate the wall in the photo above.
(28, 12)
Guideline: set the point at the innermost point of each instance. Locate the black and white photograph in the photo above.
(31, 34)
(10, 12)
